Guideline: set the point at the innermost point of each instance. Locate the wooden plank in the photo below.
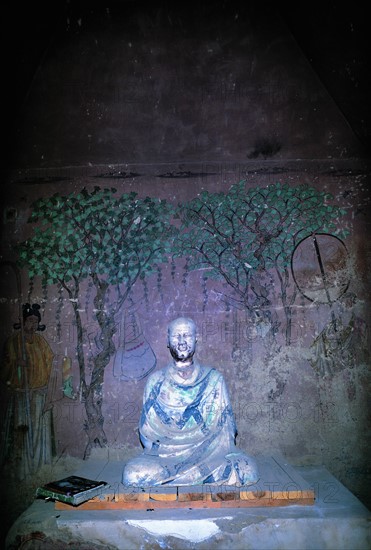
(252, 494)
(163, 493)
(193, 494)
(223, 493)
(292, 496)
(157, 505)
(136, 494)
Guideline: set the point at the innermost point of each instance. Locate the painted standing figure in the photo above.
(28, 436)
(187, 426)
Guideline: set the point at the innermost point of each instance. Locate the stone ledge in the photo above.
(336, 520)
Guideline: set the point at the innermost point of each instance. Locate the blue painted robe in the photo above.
(188, 432)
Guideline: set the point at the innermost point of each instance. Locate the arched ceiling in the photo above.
(54, 58)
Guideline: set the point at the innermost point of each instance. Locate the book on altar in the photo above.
(72, 490)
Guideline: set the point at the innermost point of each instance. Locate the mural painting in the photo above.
(134, 357)
(247, 237)
(112, 240)
(28, 436)
(263, 269)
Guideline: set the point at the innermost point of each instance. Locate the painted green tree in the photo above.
(110, 240)
(242, 235)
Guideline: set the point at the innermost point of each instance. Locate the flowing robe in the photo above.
(188, 432)
(28, 424)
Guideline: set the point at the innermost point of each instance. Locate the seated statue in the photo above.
(187, 426)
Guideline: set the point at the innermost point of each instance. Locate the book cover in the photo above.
(72, 490)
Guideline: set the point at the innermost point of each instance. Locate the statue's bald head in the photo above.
(182, 321)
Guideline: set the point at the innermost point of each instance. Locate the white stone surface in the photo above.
(192, 530)
(337, 521)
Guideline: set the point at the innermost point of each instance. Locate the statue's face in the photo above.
(182, 341)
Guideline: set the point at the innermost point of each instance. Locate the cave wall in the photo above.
(170, 105)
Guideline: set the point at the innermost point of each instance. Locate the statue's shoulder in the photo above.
(211, 372)
(156, 376)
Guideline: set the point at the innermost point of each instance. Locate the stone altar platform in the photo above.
(333, 519)
(279, 485)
